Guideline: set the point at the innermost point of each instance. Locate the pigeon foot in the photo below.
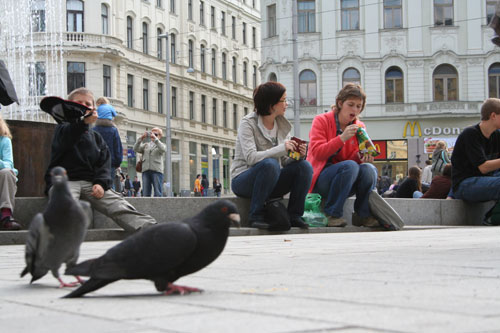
(71, 284)
(176, 289)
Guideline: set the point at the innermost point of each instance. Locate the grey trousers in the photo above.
(112, 205)
(8, 188)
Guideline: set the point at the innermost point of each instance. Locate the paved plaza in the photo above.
(418, 280)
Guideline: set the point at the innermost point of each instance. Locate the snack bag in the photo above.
(295, 154)
(366, 145)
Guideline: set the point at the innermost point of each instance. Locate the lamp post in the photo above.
(168, 135)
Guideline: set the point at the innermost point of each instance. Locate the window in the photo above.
(202, 13)
(214, 63)
(174, 102)
(104, 19)
(443, 12)
(159, 44)
(235, 117)
(145, 94)
(271, 21)
(160, 98)
(172, 48)
(351, 75)
(307, 86)
(203, 108)
(172, 6)
(350, 14)
(159, 4)
(245, 74)
(254, 77)
(392, 14)
(490, 10)
(193, 162)
(223, 23)
(212, 17)
(273, 77)
(38, 16)
(129, 33)
(106, 80)
(144, 37)
(202, 58)
(445, 79)
(244, 33)
(224, 68)
(224, 114)
(76, 75)
(214, 111)
(191, 105)
(245, 110)
(190, 10)
(37, 79)
(74, 12)
(233, 27)
(494, 80)
(130, 90)
(306, 15)
(254, 37)
(190, 59)
(394, 85)
(234, 69)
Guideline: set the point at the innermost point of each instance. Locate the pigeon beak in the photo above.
(235, 219)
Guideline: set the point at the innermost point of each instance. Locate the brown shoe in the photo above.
(8, 223)
(336, 222)
(369, 221)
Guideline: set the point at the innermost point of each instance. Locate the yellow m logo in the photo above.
(412, 128)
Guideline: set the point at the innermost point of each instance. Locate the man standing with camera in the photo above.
(153, 153)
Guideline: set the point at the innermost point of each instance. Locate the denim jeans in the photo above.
(479, 189)
(339, 181)
(267, 180)
(152, 178)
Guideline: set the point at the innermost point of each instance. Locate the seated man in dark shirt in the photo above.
(475, 160)
(85, 156)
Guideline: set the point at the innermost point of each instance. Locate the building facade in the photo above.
(118, 49)
(426, 66)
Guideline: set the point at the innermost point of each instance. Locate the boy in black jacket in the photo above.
(85, 156)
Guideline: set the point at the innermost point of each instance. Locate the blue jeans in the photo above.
(267, 180)
(339, 181)
(152, 178)
(479, 189)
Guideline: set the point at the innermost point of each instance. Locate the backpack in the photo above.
(439, 164)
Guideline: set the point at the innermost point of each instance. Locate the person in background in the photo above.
(440, 158)
(204, 185)
(411, 184)
(340, 170)
(427, 173)
(8, 179)
(137, 187)
(153, 153)
(104, 109)
(128, 186)
(440, 186)
(217, 187)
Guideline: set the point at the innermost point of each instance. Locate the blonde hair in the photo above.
(4, 128)
(102, 100)
(441, 144)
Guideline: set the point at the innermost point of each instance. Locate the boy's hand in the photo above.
(97, 191)
(92, 118)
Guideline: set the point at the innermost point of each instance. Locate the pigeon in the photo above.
(162, 253)
(56, 234)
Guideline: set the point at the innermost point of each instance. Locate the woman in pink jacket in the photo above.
(339, 170)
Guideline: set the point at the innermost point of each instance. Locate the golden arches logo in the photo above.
(377, 147)
(412, 128)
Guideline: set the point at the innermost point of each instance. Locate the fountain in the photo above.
(31, 45)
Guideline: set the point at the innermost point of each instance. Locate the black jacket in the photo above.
(82, 152)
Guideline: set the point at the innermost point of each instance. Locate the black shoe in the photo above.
(9, 223)
(298, 222)
(259, 224)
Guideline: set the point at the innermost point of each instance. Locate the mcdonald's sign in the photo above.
(381, 147)
(412, 128)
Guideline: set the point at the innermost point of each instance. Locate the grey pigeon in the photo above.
(162, 253)
(56, 234)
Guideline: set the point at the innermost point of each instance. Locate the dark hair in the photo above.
(489, 106)
(447, 170)
(266, 95)
(350, 90)
(415, 173)
(428, 162)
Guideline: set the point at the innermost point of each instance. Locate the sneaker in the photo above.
(336, 222)
(259, 224)
(9, 223)
(297, 221)
(369, 221)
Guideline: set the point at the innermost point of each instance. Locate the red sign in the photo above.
(381, 146)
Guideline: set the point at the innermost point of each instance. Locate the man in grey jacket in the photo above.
(153, 153)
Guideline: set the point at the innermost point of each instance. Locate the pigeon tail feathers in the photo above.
(91, 285)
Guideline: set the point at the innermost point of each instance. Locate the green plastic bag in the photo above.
(312, 211)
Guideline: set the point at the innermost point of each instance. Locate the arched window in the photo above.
(129, 32)
(190, 55)
(445, 79)
(394, 85)
(351, 75)
(159, 43)
(104, 19)
(202, 58)
(214, 64)
(234, 69)
(172, 48)
(494, 80)
(74, 15)
(273, 77)
(254, 77)
(144, 37)
(307, 85)
(224, 66)
(245, 73)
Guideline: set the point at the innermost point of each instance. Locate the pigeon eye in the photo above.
(224, 210)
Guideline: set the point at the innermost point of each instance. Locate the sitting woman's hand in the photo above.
(290, 145)
(366, 158)
(303, 149)
(349, 132)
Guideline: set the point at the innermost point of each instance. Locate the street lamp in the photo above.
(168, 136)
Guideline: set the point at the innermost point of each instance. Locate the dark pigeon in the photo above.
(56, 234)
(162, 253)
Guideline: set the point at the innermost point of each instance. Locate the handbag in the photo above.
(276, 214)
(138, 166)
(388, 218)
